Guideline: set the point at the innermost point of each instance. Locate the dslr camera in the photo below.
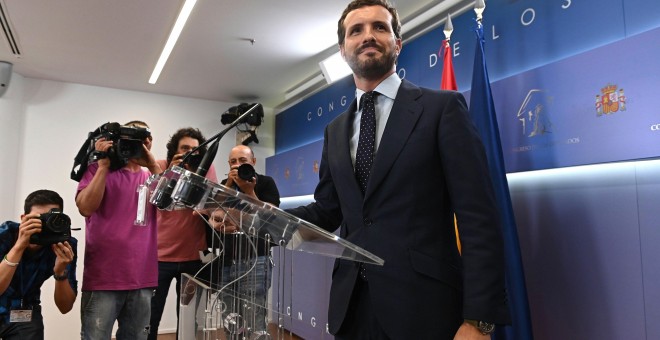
(55, 227)
(193, 160)
(127, 143)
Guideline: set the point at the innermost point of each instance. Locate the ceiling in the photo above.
(117, 43)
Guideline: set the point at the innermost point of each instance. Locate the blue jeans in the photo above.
(166, 272)
(131, 308)
(33, 330)
(252, 288)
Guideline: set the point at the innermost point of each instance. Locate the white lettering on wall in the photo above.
(527, 16)
(433, 59)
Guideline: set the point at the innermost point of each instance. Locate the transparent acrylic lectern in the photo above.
(226, 299)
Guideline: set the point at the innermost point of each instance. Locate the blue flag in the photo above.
(482, 111)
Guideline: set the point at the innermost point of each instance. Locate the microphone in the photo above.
(208, 158)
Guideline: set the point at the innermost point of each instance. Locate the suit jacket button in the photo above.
(367, 222)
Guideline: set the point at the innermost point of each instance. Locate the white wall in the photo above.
(11, 125)
(44, 124)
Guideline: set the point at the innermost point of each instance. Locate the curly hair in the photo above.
(355, 4)
(173, 144)
(42, 197)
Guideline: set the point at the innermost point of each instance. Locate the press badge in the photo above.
(20, 315)
(141, 218)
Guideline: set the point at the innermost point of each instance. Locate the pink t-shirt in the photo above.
(119, 255)
(181, 233)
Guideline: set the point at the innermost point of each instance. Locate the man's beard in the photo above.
(372, 68)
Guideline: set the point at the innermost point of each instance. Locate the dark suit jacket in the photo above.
(429, 165)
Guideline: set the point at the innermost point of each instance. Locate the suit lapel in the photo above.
(343, 152)
(403, 118)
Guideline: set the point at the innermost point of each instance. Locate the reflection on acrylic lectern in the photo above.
(222, 300)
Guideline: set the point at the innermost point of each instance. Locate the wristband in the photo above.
(9, 263)
(61, 277)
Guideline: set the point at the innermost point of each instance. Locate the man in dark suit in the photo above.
(393, 186)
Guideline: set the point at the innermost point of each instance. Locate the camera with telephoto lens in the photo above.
(55, 227)
(127, 143)
(246, 172)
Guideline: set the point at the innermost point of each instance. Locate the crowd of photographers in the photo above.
(132, 250)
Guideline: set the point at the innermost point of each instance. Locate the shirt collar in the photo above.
(388, 87)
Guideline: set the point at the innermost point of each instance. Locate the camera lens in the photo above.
(246, 172)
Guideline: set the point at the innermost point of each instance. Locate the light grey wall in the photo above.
(43, 125)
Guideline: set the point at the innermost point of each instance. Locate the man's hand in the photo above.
(64, 254)
(224, 222)
(103, 145)
(147, 159)
(469, 332)
(247, 187)
(176, 161)
(30, 225)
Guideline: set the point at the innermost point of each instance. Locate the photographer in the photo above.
(181, 232)
(121, 265)
(236, 250)
(26, 266)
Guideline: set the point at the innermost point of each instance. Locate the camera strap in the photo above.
(82, 158)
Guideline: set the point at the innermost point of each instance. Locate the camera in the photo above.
(246, 172)
(55, 227)
(127, 143)
(193, 160)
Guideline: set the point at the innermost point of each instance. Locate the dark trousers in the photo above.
(166, 272)
(33, 330)
(360, 322)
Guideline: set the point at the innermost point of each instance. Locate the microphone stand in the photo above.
(193, 191)
(213, 149)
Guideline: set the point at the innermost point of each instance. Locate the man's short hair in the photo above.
(355, 4)
(42, 197)
(173, 144)
(137, 123)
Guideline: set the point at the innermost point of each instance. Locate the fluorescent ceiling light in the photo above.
(334, 68)
(171, 41)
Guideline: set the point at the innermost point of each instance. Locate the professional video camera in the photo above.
(55, 227)
(254, 119)
(127, 144)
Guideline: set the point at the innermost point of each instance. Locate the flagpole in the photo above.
(482, 111)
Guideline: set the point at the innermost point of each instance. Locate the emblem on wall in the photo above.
(533, 114)
(610, 100)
